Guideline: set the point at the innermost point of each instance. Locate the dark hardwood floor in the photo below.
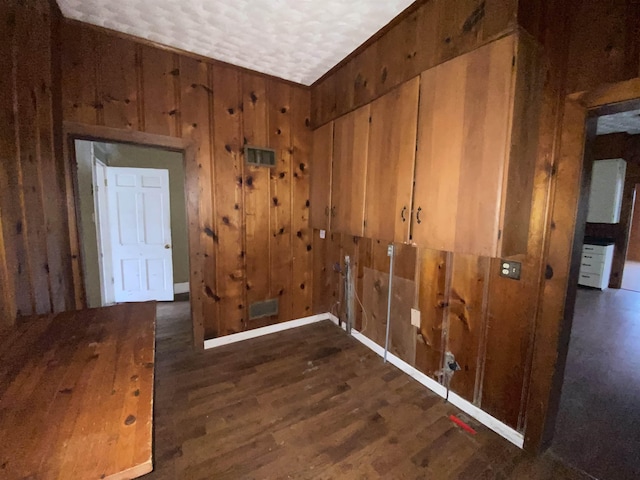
(311, 403)
(598, 426)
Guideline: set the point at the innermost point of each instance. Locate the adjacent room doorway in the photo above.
(132, 222)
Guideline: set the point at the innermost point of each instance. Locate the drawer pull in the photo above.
(586, 265)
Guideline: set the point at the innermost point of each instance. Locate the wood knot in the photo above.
(130, 420)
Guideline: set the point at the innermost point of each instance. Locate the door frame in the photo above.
(73, 131)
(105, 261)
(566, 221)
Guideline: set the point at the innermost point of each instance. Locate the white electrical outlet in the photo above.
(323, 234)
(415, 317)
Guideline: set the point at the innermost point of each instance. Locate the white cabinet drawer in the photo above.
(590, 280)
(592, 266)
(599, 249)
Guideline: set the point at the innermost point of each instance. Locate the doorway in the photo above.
(132, 222)
(598, 424)
(631, 277)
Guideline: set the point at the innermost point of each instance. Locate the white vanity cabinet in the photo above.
(605, 196)
(595, 265)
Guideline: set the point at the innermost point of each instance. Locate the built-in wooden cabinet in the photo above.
(320, 188)
(476, 151)
(350, 146)
(390, 163)
(445, 160)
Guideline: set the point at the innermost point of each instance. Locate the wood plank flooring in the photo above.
(598, 425)
(311, 403)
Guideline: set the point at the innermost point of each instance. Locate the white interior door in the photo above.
(139, 221)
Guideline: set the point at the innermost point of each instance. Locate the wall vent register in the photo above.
(267, 308)
(260, 157)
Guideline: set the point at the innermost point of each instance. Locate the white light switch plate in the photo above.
(415, 317)
(323, 234)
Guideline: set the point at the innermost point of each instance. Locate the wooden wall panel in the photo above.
(160, 71)
(465, 320)
(604, 43)
(197, 129)
(228, 174)
(433, 293)
(119, 62)
(434, 32)
(302, 245)
(257, 191)
(79, 80)
(35, 257)
(281, 184)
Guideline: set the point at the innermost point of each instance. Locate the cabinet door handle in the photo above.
(333, 211)
(404, 209)
(418, 215)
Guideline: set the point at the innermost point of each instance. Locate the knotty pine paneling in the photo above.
(248, 227)
(434, 32)
(35, 257)
(302, 284)
(281, 192)
(605, 43)
(227, 190)
(197, 128)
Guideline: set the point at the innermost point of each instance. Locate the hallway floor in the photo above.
(311, 403)
(598, 427)
(631, 276)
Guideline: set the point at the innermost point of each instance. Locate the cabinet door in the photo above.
(464, 130)
(320, 194)
(390, 163)
(350, 143)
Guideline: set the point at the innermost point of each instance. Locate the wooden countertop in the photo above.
(76, 394)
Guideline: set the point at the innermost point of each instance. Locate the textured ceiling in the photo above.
(299, 40)
(628, 122)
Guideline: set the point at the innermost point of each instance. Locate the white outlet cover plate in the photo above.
(415, 318)
(323, 234)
